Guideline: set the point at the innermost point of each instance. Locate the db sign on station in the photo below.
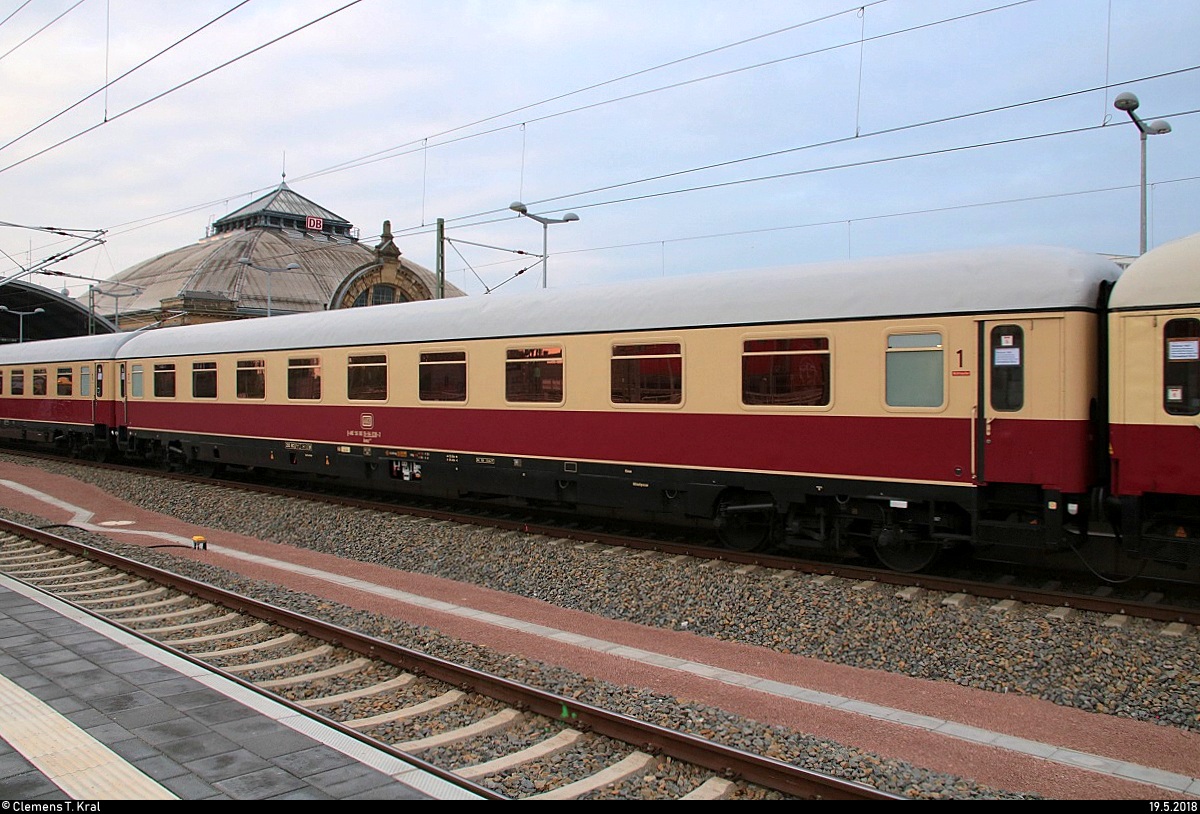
(314, 224)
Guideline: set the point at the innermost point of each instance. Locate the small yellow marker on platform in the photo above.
(199, 542)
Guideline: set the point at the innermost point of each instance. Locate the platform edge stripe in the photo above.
(83, 767)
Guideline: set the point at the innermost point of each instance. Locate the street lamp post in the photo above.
(520, 209)
(134, 291)
(1129, 103)
(245, 261)
(117, 307)
(21, 319)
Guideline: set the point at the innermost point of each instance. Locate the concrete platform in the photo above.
(88, 712)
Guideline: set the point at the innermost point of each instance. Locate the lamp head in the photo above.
(518, 207)
(245, 261)
(3, 307)
(570, 216)
(39, 310)
(292, 266)
(1126, 101)
(1158, 127)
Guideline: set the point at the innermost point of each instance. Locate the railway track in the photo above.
(498, 738)
(1169, 603)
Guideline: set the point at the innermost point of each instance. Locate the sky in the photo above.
(688, 136)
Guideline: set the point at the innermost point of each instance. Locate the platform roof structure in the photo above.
(60, 315)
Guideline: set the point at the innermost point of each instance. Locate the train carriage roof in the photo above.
(1165, 277)
(66, 349)
(1000, 280)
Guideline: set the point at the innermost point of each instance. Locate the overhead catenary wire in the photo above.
(384, 154)
(426, 145)
(108, 84)
(14, 12)
(118, 229)
(474, 219)
(454, 242)
(180, 86)
(411, 147)
(40, 30)
(423, 144)
(857, 219)
(825, 168)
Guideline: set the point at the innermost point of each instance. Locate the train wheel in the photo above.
(162, 459)
(902, 553)
(746, 531)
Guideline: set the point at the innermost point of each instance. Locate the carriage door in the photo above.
(1007, 449)
(1025, 399)
(123, 401)
(98, 397)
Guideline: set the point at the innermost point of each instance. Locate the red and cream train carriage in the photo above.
(1154, 397)
(902, 403)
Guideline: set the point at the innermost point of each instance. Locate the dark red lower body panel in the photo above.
(1158, 459)
(906, 447)
(1056, 455)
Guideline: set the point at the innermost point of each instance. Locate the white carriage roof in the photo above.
(67, 349)
(1165, 277)
(1001, 280)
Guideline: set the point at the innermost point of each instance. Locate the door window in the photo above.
(1007, 361)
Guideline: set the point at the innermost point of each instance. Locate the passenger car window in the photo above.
(647, 374)
(786, 371)
(442, 376)
(533, 374)
(366, 377)
(304, 378)
(251, 379)
(164, 381)
(204, 380)
(915, 370)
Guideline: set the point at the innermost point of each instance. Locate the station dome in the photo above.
(279, 254)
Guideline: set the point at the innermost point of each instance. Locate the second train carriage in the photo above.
(1154, 397)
